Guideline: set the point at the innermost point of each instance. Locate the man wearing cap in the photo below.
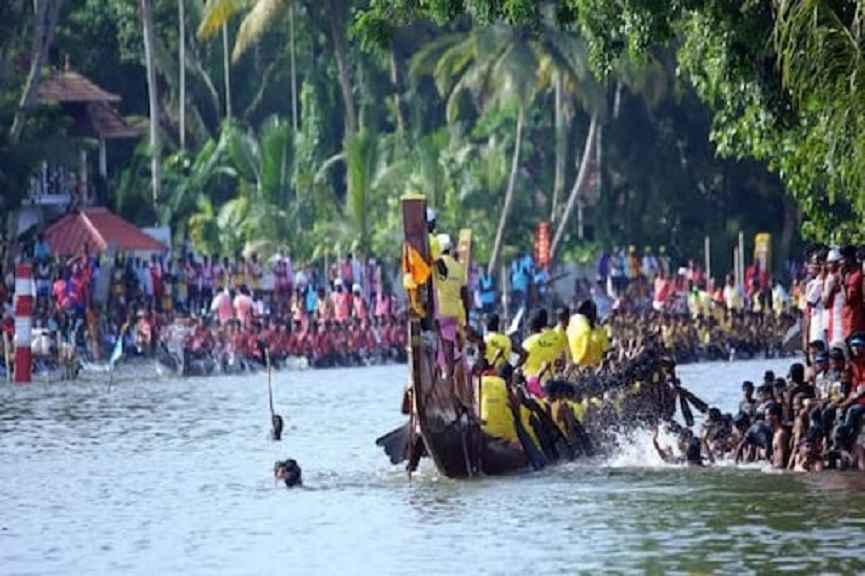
(833, 298)
(854, 405)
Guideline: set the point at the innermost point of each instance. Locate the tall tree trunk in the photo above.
(336, 33)
(561, 146)
(194, 63)
(181, 19)
(395, 86)
(579, 183)
(155, 145)
(45, 15)
(167, 68)
(292, 41)
(509, 195)
(226, 62)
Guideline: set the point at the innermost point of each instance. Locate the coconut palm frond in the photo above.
(217, 13)
(424, 61)
(361, 155)
(277, 157)
(264, 15)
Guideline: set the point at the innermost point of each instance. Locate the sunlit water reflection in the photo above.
(169, 477)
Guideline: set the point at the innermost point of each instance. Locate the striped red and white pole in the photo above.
(24, 295)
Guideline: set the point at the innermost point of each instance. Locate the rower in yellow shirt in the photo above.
(543, 348)
(497, 346)
(587, 341)
(449, 279)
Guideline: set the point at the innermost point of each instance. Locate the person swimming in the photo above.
(689, 447)
(289, 472)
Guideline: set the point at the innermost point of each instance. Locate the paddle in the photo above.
(686, 411)
(276, 421)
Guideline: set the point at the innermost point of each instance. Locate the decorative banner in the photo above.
(763, 251)
(542, 244)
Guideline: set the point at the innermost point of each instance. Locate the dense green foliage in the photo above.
(406, 96)
(782, 78)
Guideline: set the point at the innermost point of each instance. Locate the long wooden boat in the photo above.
(445, 413)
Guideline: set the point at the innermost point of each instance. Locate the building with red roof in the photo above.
(97, 230)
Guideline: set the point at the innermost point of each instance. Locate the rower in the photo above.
(586, 340)
(540, 351)
(497, 346)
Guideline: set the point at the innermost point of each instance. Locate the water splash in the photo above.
(636, 450)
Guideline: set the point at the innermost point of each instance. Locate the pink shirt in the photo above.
(222, 305)
(341, 306)
(243, 307)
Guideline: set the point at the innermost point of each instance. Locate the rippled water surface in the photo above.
(170, 477)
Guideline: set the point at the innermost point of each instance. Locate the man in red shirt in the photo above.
(853, 311)
(855, 402)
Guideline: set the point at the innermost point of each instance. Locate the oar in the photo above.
(276, 421)
(269, 385)
(697, 402)
(536, 458)
(686, 411)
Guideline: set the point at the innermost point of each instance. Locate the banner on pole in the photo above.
(763, 251)
(542, 244)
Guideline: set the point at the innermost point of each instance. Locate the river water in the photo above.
(175, 477)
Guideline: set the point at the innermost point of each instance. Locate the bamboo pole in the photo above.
(505, 298)
(707, 248)
(736, 266)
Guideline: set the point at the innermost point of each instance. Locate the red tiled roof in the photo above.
(69, 86)
(98, 229)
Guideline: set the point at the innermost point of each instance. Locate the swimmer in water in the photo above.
(688, 445)
(289, 472)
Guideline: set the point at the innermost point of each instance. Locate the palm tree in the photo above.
(820, 48)
(265, 14)
(181, 32)
(564, 68)
(217, 15)
(261, 166)
(497, 65)
(155, 143)
(45, 16)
